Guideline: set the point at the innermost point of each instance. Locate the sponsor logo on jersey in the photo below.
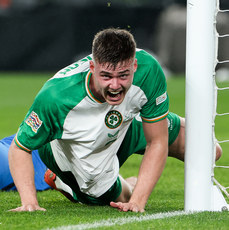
(34, 121)
(161, 98)
(113, 119)
(112, 137)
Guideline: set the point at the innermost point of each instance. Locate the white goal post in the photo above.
(200, 192)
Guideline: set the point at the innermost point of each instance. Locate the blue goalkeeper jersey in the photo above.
(6, 180)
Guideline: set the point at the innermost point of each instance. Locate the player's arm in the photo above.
(151, 168)
(22, 171)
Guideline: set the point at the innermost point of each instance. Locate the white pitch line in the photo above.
(121, 221)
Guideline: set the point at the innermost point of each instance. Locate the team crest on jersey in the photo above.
(34, 121)
(113, 119)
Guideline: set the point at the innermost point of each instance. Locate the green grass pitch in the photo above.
(17, 92)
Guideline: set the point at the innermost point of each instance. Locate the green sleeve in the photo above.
(42, 123)
(153, 83)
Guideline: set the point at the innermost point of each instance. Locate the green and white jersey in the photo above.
(84, 133)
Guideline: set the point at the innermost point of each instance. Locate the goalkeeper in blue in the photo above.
(90, 117)
(6, 180)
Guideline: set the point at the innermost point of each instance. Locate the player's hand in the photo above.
(125, 207)
(28, 208)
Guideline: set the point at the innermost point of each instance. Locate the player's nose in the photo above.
(115, 83)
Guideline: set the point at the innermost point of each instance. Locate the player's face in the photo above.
(111, 84)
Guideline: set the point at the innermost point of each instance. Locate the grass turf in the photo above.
(17, 92)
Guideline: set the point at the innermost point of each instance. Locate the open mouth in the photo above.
(114, 95)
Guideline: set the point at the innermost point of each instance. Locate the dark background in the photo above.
(48, 35)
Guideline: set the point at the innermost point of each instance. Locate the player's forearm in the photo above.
(150, 171)
(22, 171)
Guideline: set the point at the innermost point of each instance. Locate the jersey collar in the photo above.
(89, 92)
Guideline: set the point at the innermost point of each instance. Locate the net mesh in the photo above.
(219, 173)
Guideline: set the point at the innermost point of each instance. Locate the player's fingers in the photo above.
(137, 209)
(134, 209)
(41, 209)
(125, 208)
(32, 208)
(115, 204)
(14, 210)
(36, 209)
(27, 208)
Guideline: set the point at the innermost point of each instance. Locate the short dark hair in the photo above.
(113, 45)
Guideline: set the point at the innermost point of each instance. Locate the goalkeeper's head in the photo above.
(113, 46)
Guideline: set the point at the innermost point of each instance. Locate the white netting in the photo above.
(224, 189)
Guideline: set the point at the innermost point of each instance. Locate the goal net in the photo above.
(221, 91)
(203, 191)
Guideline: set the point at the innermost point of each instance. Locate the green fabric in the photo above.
(67, 177)
(135, 142)
(150, 77)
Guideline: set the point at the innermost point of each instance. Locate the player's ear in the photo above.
(92, 66)
(135, 64)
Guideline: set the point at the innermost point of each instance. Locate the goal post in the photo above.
(200, 193)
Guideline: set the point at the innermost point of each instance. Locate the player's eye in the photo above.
(105, 76)
(124, 76)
